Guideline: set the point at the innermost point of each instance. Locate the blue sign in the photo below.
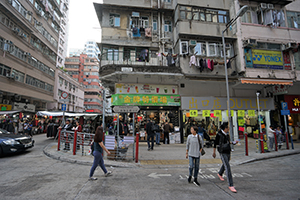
(284, 106)
(285, 112)
(64, 107)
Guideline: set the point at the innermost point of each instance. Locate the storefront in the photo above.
(159, 103)
(212, 111)
(293, 120)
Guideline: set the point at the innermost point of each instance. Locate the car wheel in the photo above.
(1, 152)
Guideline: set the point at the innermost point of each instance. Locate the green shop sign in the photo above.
(145, 100)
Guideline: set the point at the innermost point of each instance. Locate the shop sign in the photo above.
(287, 60)
(267, 59)
(24, 107)
(4, 107)
(215, 103)
(280, 89)
(231, 112)
(293, 102)
(241, 113)
(193, 113)
(206, 113)
(251, 113)
(125, 88)
(145, 100)
(218, 113)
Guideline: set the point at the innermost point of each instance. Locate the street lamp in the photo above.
(242, 11)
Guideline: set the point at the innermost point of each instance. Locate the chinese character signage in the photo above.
(4, 107)
(145, 100)
(126, 88)
(214, 103)
(264, 59)
(293, 102)
(193, 113)
(280, 89)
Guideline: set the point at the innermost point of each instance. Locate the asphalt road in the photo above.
(32, 175)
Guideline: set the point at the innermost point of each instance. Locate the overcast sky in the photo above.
(83, 22)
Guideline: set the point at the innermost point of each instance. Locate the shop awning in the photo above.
(9, 112)
(67, 114)
(266, 81)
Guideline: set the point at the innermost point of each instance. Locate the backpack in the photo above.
(154, 127)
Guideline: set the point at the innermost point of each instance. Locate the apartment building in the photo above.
(85, 70)
(63, 34)
(29, 36)
(91, 49)
(163, 48)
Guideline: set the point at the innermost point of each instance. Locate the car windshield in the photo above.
(2, 131)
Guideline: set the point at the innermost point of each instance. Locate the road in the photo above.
(32, 175)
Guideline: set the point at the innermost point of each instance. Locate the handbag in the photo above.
(202, 150)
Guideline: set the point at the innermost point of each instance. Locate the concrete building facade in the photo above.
(29, 37)
(178, 44)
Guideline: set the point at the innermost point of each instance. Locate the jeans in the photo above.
(225, 157)
(152, 141)
(194, 164)
(166, 137)
(157, 138)
(271, 142)
(98, 160)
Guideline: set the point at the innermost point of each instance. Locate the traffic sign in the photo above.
(285, 112)
(63, 107)
(64, 95)
(126, 109)
(284, 106)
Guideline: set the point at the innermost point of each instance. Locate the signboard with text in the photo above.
(267, 59)
(293, 103)
(127, 88)
(145, 100)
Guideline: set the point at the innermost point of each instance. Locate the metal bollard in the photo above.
(75, 142)
(276, 146)
(246, 144)
(287, 140)
(262, 143)
(137, 147)
(58, 145)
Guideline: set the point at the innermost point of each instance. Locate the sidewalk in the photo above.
(173, 155)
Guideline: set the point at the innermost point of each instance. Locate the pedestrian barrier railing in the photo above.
(121, 148)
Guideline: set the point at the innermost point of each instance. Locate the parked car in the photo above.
(11, 143)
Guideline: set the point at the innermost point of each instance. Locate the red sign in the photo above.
(293, 102)
(286, 60)
(89, 111)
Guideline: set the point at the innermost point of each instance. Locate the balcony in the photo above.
(145, 4)
(133, 61)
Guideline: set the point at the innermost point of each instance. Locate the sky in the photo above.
(83, 23)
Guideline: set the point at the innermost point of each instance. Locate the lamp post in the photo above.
(239, 14)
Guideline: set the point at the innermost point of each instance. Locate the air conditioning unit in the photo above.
(29, 13)
(270, 6)
(192, 43)
(263, 6)
(250, 43)
(39, 13)
(39, 24)
(16, 30)
(283, 47)
(17, 97)
(227, 45)
(291, 45)
(5, 101)
(23, 35)
(9, 1)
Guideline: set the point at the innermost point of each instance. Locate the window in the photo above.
(212, 49)
(169, 1)
(200, 49)
(114, 20)
(144, 22)
(110, 53)
(228, 50)
(293, 19)
(185, 12)
(4, 70)
(168, 26)
(154, 24)
(184, 47)
(297, 59)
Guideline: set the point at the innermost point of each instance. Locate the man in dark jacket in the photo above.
(66, 127)
(150, 134)
(167, 129)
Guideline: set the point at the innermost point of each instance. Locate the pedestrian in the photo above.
(193, 144)
(157, 133)
(21, 127)
(66, 127)
(98, 149)
(166, 133)
(271, 137)
(150, 134)
(279, 137)
(126, 128)
(223, 143)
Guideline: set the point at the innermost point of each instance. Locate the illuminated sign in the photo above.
(293, 102)
(267, 59)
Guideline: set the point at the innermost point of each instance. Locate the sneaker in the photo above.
(220, 177)
(196, 183)
(232, 189)
(189, 179)
(108, 173)
(92, 178)
(148, 149)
